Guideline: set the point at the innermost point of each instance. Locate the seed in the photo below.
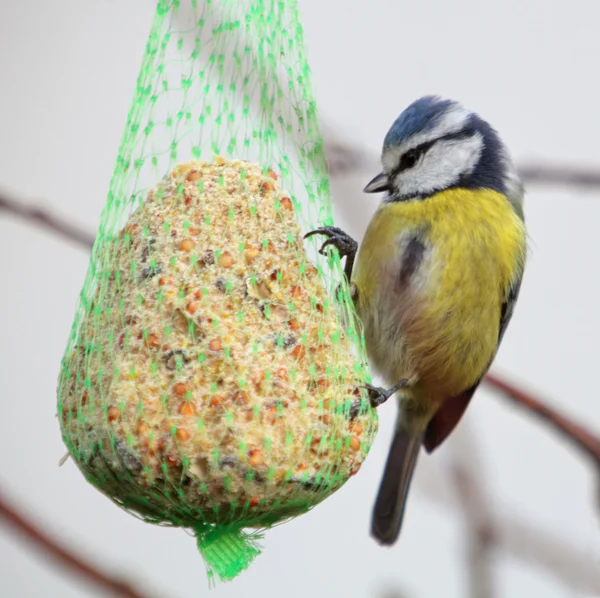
(142, 429)
(254, 502)
(188, 200)
(187, 408)
(265, 187)
(191, 307)
(209, 257)
(354, 443)
(226, 259)
(255, 457)
(217, 400)
(215, 344)
(172, 460)
(219, 160)
(357, 429)
(193, 176)
(131, 229)
(279, 313)
(272, 175)
(296, 292)
(113, 413)
(186, 245)
(282, 373)
(152, 340)
(286, 203)
(298, 352)
(163, 280)
(328, 404)
(257, 378)
(251, 254)
(355, 469)
(180, 388)
(182, 434)
(293, 324)
(258, 289)
(240, 396)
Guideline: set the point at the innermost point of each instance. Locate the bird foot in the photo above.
(344, 243)
(378, 395)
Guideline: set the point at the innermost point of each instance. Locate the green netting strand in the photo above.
(227, 551)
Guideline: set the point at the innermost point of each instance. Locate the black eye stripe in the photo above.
(419, 150)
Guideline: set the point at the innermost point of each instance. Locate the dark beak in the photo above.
(378, 184)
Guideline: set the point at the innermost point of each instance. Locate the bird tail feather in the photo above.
(393, 490)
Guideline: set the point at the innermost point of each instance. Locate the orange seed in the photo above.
(215, 344)
(226, 259)
(180, 388)
(113, 413)
(182, 434)
(187, 408)
(255, 457)
(186, 245)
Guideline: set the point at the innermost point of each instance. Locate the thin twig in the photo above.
(46, 219)
(64, 556)
(583, 438)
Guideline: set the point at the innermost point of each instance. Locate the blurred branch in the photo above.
(46, 219)
(559, 175)
(480, 535)
(346, 158)
(583, 438)
(508, 533)
(65, 557)
(468, 479)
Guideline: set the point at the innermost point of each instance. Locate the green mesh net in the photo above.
(212, 378)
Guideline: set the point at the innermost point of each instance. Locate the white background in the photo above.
(67, 74)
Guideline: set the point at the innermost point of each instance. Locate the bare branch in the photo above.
(547, 551)
(65, 557)
(467, 476)
(583, 438)
(559, 175)
(46, 219)
(346, 158)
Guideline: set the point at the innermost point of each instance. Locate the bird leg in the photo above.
(344, 243)
(378, 395)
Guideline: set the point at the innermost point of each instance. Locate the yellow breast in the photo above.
(442, 324)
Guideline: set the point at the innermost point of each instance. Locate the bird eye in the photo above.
(409, 159)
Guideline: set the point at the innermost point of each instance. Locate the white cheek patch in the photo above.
(441, 166)
(450, 122)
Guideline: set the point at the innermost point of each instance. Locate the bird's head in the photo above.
(437, 144)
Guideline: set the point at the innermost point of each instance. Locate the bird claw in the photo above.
(378, 395)
(344, 243)
(337, 238)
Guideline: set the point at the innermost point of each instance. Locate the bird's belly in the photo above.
(441, 336)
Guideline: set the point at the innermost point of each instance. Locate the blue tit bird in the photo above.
(435, 279)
